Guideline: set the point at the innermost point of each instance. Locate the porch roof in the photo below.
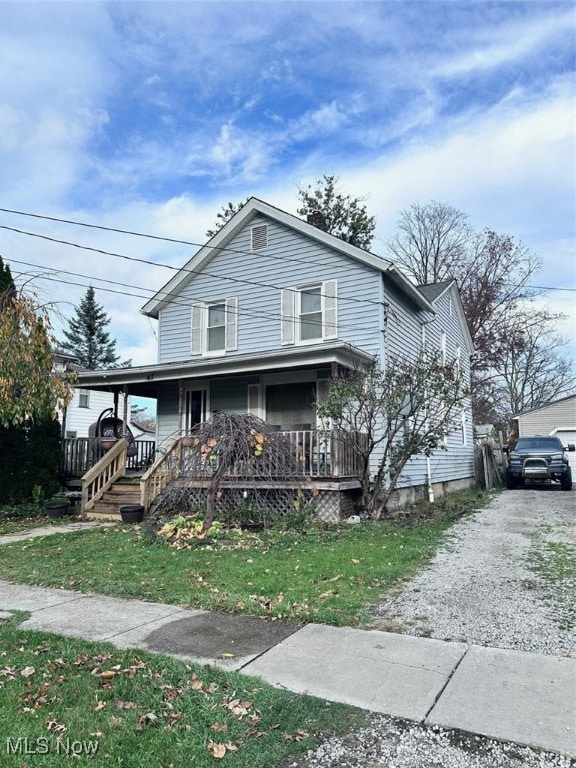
(143, 380)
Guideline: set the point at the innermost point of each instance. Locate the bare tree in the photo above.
(432, 242)
(395, 414)
(530, 366)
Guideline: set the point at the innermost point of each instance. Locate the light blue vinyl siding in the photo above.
(167, 413)
(231, 394)
(457, 461)
(291, 259)
(403, 323)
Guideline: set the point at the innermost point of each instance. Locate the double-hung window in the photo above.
(214, 327)
(309, 313)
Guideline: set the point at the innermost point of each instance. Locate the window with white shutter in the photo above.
(214, 327)
(330, 319)
(287, 310)
(309, 313)
(231, 324)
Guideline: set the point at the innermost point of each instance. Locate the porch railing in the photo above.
(165, 468)
(325, 453)
(79, 454)
(103, 474)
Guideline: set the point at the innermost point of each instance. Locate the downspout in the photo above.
(383, 325)
(428, 463)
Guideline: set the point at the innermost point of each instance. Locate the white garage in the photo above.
(557, 418)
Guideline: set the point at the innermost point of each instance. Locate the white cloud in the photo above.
(496, 46)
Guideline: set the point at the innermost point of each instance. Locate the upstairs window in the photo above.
(309, 313)
(214, 327)
(83, 400)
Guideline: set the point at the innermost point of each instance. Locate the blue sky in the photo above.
(149, 116)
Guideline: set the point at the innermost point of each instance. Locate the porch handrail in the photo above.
(154, 480)
(103, 474)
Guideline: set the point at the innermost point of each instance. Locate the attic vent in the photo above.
(260, 237)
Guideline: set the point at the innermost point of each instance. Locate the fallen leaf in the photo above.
(53, 725)
(115, 720)
(107, 674)
(27, 671)
(99, 706)
(125, 704)
(148, 719)
(217, 750)
(219, 727)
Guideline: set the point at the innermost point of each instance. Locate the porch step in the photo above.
(124, 492)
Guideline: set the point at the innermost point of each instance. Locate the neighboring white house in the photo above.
(86, 405)
(557, 418)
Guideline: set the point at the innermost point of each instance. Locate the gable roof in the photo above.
(546, 405)
(252, 208)
(434, 291)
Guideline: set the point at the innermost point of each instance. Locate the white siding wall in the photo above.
(548, 418)
(79, 419)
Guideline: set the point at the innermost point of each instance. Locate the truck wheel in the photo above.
(511, 482)
(566, 481)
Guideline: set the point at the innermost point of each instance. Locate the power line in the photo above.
(188, 305)
(221, 249)
(168, 266)
(177, 241)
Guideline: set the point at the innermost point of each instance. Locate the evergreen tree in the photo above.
(7, 286)
(87, 338)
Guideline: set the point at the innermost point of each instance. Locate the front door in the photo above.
(195, 407)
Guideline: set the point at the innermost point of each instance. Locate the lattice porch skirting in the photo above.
(331, 502)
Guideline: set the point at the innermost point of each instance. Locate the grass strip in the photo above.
(66, 700)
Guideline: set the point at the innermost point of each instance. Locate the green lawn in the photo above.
(89, 704)
(23, 517)
(329, 576)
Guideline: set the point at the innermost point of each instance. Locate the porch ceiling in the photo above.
(143, 380)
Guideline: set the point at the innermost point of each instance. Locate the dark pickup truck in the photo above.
(538, 458)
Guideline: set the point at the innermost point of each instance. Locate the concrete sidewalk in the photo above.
(512, 696)
(50, 530)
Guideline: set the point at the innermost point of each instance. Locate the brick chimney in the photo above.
(317, 219)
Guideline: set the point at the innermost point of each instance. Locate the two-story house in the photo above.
(262, 317)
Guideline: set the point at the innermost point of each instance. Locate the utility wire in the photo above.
(185, 242)
(174, 269)
(221, 249)
(240, 311)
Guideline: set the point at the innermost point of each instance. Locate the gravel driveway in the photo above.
(504, 579)
(501, 580)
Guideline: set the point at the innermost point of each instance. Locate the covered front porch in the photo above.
(281, 388)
